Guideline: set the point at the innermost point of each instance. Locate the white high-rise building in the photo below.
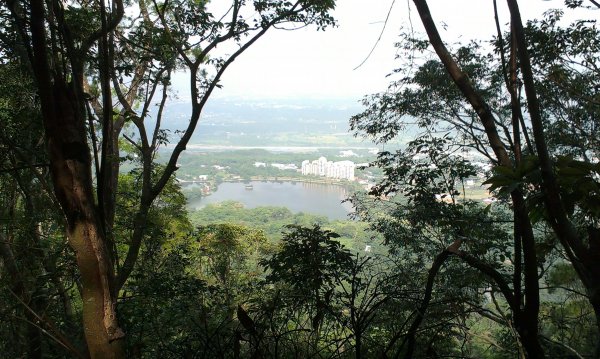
(330, 169)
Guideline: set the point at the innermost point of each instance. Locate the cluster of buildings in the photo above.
(281, 166)
(330, 169)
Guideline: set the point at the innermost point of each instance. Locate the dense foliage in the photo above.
(514, 105)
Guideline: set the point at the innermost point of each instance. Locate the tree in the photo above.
(80, 55)
(428, 222)
(311, 274)
(362, 290)
(229, 252)
(309, 261)
(475, 99)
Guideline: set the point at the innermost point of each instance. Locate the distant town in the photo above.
(208, 169)
(329, 169)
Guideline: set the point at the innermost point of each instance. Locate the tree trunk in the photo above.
(528, 318)
(99, 307)
(358, 346)
(585, 258)
(70, 165)
(420, 312)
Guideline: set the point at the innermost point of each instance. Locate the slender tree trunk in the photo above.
(34, 334)
(585, 258)
(528, 318)
(420, 316)
(358, 350)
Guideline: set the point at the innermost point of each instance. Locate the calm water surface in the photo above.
(314, 198)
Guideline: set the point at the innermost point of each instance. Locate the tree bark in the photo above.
(70, 168)
(584, 258)
(71, 174)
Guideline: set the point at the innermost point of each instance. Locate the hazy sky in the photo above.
(314, 64)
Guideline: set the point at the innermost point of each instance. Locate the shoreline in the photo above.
(291, 179)
(277, 179)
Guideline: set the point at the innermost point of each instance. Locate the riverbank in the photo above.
(213, 185)
(326, 181)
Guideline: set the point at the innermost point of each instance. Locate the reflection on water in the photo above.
(306, 197)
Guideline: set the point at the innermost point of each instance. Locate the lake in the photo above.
(316, 198)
